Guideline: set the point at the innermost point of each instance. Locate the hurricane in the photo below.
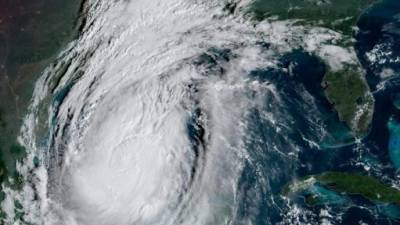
(174, 112)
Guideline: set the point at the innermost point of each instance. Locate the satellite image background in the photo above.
(199, 112)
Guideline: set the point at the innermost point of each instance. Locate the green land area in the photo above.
(347, 88)
(338, 15)
(32, 33)
(348, 184)
(367, 186)
(350, 95)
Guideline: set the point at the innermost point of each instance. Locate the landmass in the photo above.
(350, 95)
(345, 88)
(31, 35)
(367, 186)
(338, 15)
(347, 184)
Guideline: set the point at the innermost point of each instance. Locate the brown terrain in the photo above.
(32, 32)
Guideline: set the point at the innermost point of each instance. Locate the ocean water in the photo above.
(378, 50)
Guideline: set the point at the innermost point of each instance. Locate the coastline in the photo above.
(31, 36)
